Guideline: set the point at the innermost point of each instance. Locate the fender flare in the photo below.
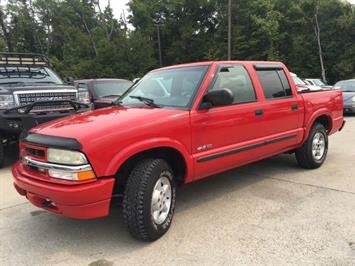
(138, 147)
(314, 117)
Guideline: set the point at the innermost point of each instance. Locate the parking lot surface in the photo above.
(270, 212)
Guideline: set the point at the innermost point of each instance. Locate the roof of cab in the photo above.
(207, 63)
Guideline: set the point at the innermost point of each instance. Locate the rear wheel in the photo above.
(149, 199)
(314, 151)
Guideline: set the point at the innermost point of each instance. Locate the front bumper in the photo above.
(14, 124)
(81, 201)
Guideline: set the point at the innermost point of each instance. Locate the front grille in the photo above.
(25, 98)
(35, 152)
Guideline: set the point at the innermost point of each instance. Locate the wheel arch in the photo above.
(325, 120)
(173, 152)
(323, 117)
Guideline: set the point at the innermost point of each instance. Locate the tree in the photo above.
(317, 34)
(6, 39)
(83, 39)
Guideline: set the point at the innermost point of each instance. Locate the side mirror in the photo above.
(217, 98)
(69, 80)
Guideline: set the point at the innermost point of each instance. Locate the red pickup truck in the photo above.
(176, 125)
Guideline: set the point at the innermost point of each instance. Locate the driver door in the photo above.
(220, 134)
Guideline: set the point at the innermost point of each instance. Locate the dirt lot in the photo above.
(270, 212)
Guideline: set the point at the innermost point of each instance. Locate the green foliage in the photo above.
(262, 30)
(85, 41)
(81, 40)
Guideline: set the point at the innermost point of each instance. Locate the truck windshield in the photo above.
(107, 88)
(10, 76)
(166, 88)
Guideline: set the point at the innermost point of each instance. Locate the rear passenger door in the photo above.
(281, 109)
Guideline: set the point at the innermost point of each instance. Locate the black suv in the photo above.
(31, 93)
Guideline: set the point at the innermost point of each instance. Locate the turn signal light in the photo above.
(86, 175)
(74, 176)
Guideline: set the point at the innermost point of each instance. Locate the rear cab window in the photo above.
(274, 83)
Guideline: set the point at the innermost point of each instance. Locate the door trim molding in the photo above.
(244, 148)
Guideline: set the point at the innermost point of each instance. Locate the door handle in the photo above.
(294, 107)
(259, 112)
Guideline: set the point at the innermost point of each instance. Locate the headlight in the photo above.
(66, 157)
(353, 99)
(84, 96)
(7, 101)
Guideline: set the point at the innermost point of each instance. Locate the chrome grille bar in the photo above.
(74, 169)
(28, 97)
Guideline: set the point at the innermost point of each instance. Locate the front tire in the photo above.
(149, 199)
(314, 151)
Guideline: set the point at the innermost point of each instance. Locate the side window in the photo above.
(275, 83)
(236, 78)
(285, 82)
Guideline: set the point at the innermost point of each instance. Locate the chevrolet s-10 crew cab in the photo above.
(176, 125)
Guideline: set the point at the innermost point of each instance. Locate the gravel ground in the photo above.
(270, 212)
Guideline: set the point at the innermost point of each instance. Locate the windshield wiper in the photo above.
(146, 101)
(110, 96)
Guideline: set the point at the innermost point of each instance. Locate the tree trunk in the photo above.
(89, 33)
(34, 28)
(107, 28)
(48, 40)
(317, 33)
(229, 29)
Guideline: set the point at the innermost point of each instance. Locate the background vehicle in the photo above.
(31, 93)
(175, 126)
(348, 89)
(302, 85)
(318, 82)
(104, 91)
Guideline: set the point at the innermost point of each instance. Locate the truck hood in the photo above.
(87, 127)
